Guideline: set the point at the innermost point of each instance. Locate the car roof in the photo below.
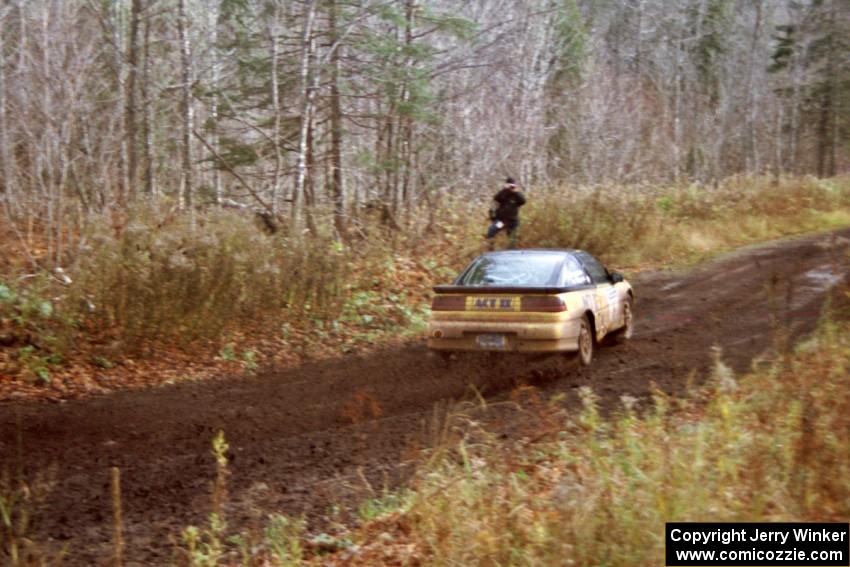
(559, 254)
(535, 252)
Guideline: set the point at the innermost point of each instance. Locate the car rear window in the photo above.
(514, 270)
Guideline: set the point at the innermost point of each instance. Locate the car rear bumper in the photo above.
(518, 337)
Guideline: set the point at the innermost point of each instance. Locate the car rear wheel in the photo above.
(445, 357)
(585, 342)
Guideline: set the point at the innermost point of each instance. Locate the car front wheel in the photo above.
(628, 328)
(623, 333)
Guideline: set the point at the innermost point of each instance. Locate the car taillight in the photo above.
(448, 303)
(543, 303)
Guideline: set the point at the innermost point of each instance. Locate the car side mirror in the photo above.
(615, 277)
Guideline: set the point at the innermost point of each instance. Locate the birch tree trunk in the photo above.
(753, 165)
(121, 95)
(6, 184)
(336, 178)
(147, 123)
(407, 119)
(792, 155)
(186, 107)
(677, 112)
(274, 38)
(306, 107)
(130, 107)
(215, 71)
(827, 127)
(43, 169)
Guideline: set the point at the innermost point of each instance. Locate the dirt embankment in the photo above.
(330, 432)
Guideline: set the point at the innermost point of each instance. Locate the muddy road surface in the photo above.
(331, 432)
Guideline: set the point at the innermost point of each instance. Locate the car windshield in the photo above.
(513, 270)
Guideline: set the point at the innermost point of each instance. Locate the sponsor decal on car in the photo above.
(492, 303)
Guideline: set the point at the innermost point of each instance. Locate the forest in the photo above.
(322, 114)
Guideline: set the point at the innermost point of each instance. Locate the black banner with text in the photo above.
(690, 544)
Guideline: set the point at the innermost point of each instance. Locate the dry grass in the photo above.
(773, 445)
(154, 281)
(632, 226)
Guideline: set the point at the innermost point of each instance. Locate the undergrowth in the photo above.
(771, 445)
(634, 225)
(154, 279)
(587, 489)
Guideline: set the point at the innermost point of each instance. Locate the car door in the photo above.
(607, 306)
(576, 278)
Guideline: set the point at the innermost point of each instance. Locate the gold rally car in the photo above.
(534, 301)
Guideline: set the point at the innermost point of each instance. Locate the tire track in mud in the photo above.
(331, 432)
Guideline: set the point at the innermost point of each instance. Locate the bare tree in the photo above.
(6, 184)
(187, 111)
(338, 106)
(277, 111)
(147, 102)
(130, 102)
(337, 188)
(307, 96)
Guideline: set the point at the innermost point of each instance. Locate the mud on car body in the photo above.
(535, 301)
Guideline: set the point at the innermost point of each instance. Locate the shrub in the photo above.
(183, 282)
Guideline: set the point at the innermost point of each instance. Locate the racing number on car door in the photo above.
(603, 317)
(597, 300)
(610, 306)
(605, 294)
(615, 306)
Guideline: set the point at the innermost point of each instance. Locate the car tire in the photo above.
(585, 342)
(445, 357)
(627, 331)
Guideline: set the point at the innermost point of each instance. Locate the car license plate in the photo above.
(491, 341)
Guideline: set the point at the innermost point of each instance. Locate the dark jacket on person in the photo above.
(509, 204)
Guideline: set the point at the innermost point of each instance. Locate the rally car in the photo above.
(534, 301)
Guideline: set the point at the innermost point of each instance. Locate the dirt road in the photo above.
(300, 437)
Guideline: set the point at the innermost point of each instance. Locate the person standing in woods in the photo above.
(504, 213)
